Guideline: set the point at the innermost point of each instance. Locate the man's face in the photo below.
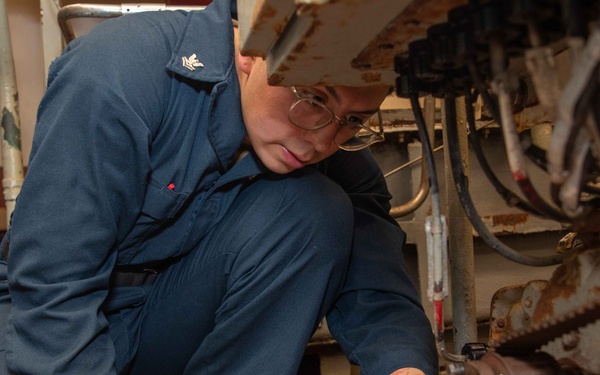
(282, 146)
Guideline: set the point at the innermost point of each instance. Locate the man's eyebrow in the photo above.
(333, 93)
(369, 112)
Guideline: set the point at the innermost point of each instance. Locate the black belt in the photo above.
(140, 277)
(121, 276)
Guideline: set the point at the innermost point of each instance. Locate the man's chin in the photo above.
(282, 170)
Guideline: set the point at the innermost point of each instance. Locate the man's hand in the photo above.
(408, 371)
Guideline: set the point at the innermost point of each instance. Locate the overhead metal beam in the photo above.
(336, 42)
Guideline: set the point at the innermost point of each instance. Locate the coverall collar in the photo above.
(209, 59)
(202, 57)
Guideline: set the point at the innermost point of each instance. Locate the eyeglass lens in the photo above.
(309, 114)
(357, 141)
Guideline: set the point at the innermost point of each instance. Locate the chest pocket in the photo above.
(161, 205)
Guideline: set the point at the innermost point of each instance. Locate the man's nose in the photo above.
(323, 139)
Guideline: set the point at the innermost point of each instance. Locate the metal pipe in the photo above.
(69, 12)
(409, 163)
(460, 240)
(12, 158)
(435, 229)
(417, 200)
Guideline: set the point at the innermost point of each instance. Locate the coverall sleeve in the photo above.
(82, 193)
(378, 320)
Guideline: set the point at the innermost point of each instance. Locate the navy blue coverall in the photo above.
(133, 166)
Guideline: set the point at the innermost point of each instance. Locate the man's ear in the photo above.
(245, 63)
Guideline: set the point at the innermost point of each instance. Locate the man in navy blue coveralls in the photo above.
(181, 216)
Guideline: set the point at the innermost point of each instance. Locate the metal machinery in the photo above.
(523, 71)
(527, 70)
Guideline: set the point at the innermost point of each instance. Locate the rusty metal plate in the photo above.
(569, 302)
(409, 25)
(336, 42)
(262, 22)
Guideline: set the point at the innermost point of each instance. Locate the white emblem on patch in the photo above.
(191, 62)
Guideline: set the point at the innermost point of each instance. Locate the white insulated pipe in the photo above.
(10, 129)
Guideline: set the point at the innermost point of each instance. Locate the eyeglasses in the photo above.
(309, 113)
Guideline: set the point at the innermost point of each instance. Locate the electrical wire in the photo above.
(470, 210)
(562, 133)
(575, 131)
(514, 151)
(509, 197)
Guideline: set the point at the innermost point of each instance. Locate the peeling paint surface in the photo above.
(329, 42)
(573, 284)
(409, 25)
(12, 134)
(510, 219)
(517, 222)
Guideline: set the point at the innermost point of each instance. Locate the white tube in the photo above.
(10, 130)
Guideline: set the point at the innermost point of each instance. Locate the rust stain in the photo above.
(323, 80)
(299, 47)
(283, 68)
(306, 9)
(279, 27)
(371, 77)
(313, 28)
(267, 12)
(509, 220)
(524, 122)
(262, 15)
(276, 79)
(252, 52)
(497, 330)
(562, 284)
(409, 25)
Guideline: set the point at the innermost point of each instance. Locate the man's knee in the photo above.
(303, 209)
(310, 200)
(317, 200)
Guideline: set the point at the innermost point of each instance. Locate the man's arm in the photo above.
(81, 196)
(378, 319)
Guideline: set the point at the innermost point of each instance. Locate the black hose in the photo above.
(536, 154)
(509, 197)
(525, 185)
(467, 202)
(427, 148)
